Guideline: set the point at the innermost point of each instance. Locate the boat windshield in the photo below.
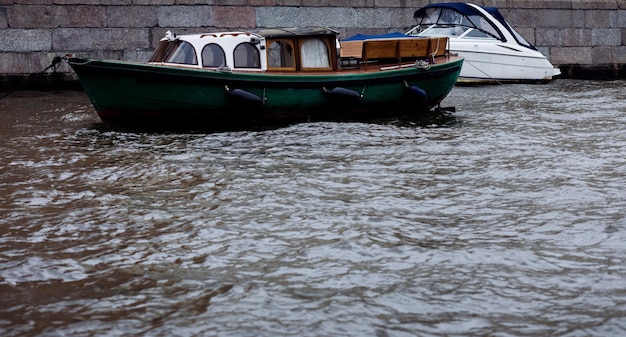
(520, 39)
(447, 21)
(177, 51)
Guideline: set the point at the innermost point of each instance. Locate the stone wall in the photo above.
(587, 38)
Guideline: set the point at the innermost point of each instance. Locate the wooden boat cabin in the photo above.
(291, 49)
(294, 49)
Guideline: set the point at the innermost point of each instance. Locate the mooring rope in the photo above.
(497, 81)
(56, 61)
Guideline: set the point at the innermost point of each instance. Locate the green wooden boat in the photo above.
(238, 79)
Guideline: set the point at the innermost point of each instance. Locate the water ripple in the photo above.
(504, 218)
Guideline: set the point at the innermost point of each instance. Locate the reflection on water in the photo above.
(502, 218)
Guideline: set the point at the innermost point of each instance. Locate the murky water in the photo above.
(505, 218)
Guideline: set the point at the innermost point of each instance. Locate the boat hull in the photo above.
(147, 94)
(497, 62)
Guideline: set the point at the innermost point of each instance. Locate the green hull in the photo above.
(144, 94)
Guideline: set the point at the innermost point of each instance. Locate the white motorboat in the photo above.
(493, 50)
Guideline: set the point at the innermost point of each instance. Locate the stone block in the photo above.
(328, 16)
(278, 16)
(185, 16)
(4, 22)
(92, 2)
(576, 37)
(395, 3)
(551, 18)
(234, 16)
(601, 55)
(539, 4)
(137, 55)
(621, 19)
(571, 55)
(17, 63)
(410, 4)
(416, 4)
(521, 17)
(38, 16)
(28, 2)
(232, 2)
(33, 16)
(389, 18)
(257, 3)
(293, 3)
(606, 37)
(81, 16)
(305, 16)
(600, 19)
(88, 39)
(594, 4)
(618, 55)
(549, 37)
(501, 4)
(156, 34)
(132, 16)
(376, 18)
(338, 3)
(560, 18)
(155, 2)
(213, 2)
(25, 40)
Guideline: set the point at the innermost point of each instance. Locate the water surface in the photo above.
(504, 218)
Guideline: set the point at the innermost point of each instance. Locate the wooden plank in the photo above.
(352, 49)
(377, 49)
(414, 48)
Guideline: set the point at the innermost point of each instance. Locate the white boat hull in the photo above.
(498, 62)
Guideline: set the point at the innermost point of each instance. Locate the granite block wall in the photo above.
(586, 38)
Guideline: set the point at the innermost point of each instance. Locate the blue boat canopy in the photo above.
(462, 14)
(361, 37)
